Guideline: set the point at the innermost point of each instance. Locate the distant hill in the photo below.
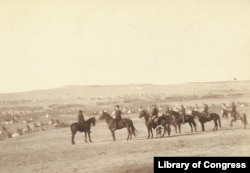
(131, 90)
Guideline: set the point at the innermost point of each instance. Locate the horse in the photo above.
(125, 122)
(178, 120)
(225, 113)
(164, 121)
(212, 116)
(74, 127)
(239, 116)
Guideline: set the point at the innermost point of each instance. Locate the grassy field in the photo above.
(51, 150)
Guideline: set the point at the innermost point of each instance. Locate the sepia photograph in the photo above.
(105, 86)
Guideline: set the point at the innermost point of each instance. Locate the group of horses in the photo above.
(172, 118)
(175, 119)
(86, 128)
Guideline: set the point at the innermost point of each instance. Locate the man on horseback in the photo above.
(81, 118)
(205, 111)
(154, 117)
(167, 111)
(234, 112)
(183, 110)
(223, 109)
(118, 116)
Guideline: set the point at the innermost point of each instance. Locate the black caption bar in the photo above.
(198, 164)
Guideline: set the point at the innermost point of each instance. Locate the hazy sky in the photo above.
(54, 43)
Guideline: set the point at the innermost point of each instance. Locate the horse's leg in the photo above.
(215, 125)
(164, 131)
(131, 134)
(148, 131)
(128, 133)
(169, 130)
(241, 119)
(179, 127)
(231, 123)
(89, 136)
(245, 121)
(113, 134)
(195, 126)
(190, 126)
(202, 127)
(85, 133)
(73, 138)
(175, 127)
(151, 130)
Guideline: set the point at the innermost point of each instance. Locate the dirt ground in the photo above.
(51, 151)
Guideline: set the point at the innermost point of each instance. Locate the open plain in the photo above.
(51, 150)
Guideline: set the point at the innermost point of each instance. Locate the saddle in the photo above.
(205, 114)
(120, 122)
(235, 115)
(173, 119)
(82, 127)
(154, 122)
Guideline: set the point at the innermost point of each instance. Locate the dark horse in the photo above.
(163, 120)
(177, 120)
(203, 119)
(125, 122)
(86, 128)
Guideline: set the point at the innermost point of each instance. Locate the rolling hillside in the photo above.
(139, 91)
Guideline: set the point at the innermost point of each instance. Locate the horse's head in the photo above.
(103, 115)
(93, 121)
(142, 113)
(196, 113)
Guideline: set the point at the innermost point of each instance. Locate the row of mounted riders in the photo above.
(175, 118)
(169, 118)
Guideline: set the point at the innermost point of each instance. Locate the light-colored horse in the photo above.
(238, 116)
